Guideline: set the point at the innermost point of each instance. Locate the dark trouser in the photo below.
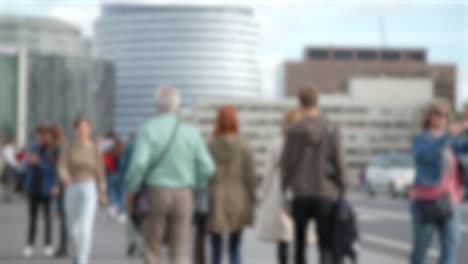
(200, 235)
(36, 201)
(62, 247)
(8, 178)
(234, 248)
(283, 255)
(319, 209)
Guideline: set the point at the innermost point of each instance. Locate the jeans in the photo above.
(282, 251)
(234, 248)
(115, 192)
(319, 209)
(35, 202)
(62, 246)
(80, 206)
(449, 234)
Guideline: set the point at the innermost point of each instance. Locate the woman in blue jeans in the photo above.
(437, 175)
(231, 189)
(82, 172)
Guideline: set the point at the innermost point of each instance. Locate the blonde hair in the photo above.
(290, 117)
(431, 108)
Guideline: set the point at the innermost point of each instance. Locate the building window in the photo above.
(367, 55)
(343, 55)
(318, 54)
(390, 55)
(416, 56)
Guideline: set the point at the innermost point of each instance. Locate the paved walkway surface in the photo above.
(109, 243)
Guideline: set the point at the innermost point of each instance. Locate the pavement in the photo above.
(385, 235)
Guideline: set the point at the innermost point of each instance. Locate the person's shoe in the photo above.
(122, 219)
(61, 253)
(131, 250)
(112, 212)
(49, 251)
(28, 252)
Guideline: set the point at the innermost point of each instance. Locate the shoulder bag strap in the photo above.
(156, 163)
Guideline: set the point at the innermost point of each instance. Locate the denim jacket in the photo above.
(427, 152)
(47, 169)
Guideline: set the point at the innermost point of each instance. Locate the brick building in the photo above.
(330, 69)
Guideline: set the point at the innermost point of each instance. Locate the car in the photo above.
(390, 173)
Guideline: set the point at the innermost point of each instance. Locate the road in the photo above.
(386, 227)
(384, 224)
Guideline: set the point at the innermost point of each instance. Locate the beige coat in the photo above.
(274, 223)
(232, 189)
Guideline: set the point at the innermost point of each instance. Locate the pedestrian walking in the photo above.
(134, 246)
(56, 148)
(437, 191)
(115, 180)
(82, 172)
(313, 145)
(274, 222)
(232, 194)
(10, 165)
(170, 159)
(40, 187)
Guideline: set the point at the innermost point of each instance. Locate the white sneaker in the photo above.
(122, 219)
(28, 252)
(49, 251)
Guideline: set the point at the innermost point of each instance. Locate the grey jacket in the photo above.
(310, 144)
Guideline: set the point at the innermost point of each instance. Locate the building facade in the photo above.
(8, 92)
(330, 69)
(203, 50)
(42, 35)
(367, 128)
(40, 88)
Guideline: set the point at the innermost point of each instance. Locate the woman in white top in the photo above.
(274, 223)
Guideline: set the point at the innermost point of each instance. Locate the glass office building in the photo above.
(203, 50)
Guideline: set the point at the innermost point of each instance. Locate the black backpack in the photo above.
(345, 231)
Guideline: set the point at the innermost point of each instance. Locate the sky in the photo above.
(287, 27)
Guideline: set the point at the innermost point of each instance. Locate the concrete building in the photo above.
(368, 127)
(331, 68)
(42, 35)
(204, 50)
(41, 88)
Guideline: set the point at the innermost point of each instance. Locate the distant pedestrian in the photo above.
(232, 189)
(274, 223)
(437, 191)
(40, 187)
(134, 246)
(313, 145)
(170, 159)
(9, 172)
(82, 172)
(115, 188)
(56, 148)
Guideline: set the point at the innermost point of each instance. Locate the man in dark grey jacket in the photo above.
(313, 171)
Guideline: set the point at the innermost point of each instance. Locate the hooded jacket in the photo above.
(311, 144)
(232, 189)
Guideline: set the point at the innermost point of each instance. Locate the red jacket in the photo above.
(109, 162)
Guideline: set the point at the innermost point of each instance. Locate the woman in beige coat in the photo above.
(274, 224)
(232, 189)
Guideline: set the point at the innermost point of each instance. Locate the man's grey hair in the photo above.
(167, 99)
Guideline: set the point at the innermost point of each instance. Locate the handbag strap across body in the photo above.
(161, 156)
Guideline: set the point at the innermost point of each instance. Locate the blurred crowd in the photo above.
(166, 181)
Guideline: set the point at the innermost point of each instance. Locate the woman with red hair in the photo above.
(232, 189)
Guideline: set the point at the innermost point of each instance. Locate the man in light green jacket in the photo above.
(186, 164)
